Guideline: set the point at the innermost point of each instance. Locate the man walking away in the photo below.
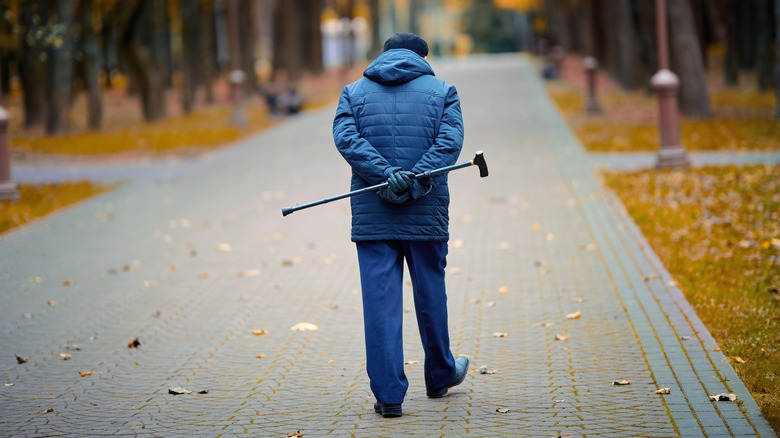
(397, 121)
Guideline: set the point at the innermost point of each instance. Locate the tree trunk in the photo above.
(747, 26)
(190, 37)
(287, 56)
(376, 34)
(248, 36)
(763, 34)
(89, 65)
(627, 59)
(140, 59)
(59, 69)
(209, 53)
(313, 37)
(777, 59)
(31, 71)
(731, 10)
(648, 39)
(687, 59)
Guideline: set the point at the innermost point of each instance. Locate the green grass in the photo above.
(717, 230)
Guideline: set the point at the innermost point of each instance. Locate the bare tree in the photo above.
(777, 59)
(687, 60)
(191, 47)
(89, 55)
(31, 72)
(141, 60)
(59, 67)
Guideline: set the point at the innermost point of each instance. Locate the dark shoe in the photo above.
(461, 369)
(388, 411)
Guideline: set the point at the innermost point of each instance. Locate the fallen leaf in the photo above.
(457, 243)
(503, 290)
(502, 410)
(500, 334)
(411, 362)
(21, 359)
(295, 435)
(575, 315)
(224, 247)
(664, 391)
(66, 356)
(621, 382)
(685, 338)
(85, 373)
(135, 343)
(716, 349)
(738, 359)
(178, 391)
(484, 370)
(561, 337)
(7, 384)
(303, 326)
(543, 324)
(536, 227)
(252, 273)
(260, 356)
(292, 262)
(73, 347)
(48, 410)
(259, 332)
(490, 303)
(203, 275)
(50, 303)
(67, 283)
(330, 362)
(203, 391)
(723, 397)
(549, 236)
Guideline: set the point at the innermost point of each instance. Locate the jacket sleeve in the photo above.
(449, 140)
(364, 159)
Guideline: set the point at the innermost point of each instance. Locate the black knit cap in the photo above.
(405, 40)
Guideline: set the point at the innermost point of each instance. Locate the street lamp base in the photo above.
(8, 190)
(672, 156)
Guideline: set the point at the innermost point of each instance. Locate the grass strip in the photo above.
(36, 201)
(717, 230)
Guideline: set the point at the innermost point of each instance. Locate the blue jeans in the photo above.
(381, 277)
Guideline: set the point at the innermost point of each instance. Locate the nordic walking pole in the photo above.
(479, 161)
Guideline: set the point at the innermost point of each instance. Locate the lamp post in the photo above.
(671, 152)
(592, 105)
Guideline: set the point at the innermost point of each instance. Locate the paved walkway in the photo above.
(194, 259)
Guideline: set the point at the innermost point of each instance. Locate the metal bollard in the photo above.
(671, 153)
(238, 116)
(592, 105)
(8, 189)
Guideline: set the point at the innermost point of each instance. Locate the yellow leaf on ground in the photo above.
(303, 326)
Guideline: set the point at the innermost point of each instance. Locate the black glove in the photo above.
(400, 181)
(390, 196)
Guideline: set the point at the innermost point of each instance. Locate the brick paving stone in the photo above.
(151, 262)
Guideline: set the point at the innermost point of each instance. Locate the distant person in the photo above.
(397, 121)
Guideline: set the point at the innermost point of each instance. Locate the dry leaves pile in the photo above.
(39, 200)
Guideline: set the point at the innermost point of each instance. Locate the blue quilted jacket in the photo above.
(399, 115)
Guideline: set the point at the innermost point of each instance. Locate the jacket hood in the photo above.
(397, 66)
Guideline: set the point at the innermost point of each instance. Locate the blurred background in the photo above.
(173, 55)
